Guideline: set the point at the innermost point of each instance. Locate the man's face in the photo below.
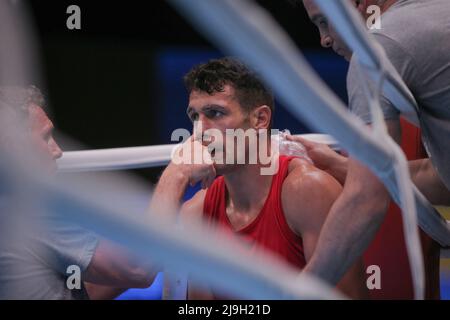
(328, 36)
(220, 111)
(41, 135)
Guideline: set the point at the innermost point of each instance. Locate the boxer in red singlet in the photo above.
(282, 213)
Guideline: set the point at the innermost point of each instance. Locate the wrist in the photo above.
(178, 173)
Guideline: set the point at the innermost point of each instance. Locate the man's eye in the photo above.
(214, 114)
(322, 23)
(193, 117)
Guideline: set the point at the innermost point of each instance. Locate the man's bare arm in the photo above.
(315, 191)
(113, 266)
(425, 177)
(178, 175)
(423, 173)
(169, 192)
(191, 213)
(353, 220)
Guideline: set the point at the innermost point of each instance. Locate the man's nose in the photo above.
(326, 41)
(55, 150)
(200, 130)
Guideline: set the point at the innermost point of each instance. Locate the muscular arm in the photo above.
(425, 177)
(171, 188)
(314, 191)
(423, 174)
(178, 174)
(191, 212)
(353, 220)
(113, 269)
(169, 191)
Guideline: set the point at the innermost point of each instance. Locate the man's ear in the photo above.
(261, 117)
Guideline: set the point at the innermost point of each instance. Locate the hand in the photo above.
(324, 158)
(194, 161)
(321, 154)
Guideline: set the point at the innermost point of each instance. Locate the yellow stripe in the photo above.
(445, 211)
(444, 267)
(445, 263)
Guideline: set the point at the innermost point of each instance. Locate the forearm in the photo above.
(169, 191)
(426, 179)
(114, 266)
(353, 283)
(347, 232)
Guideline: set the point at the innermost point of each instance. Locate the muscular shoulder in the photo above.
(193, 208)
(309, 180)
(307, 195)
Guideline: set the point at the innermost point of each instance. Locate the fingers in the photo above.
(344, 153)
(307, 143)
(203, 174)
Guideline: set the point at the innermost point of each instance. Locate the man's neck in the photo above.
(247, 188)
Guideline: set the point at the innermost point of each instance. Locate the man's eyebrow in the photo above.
(207, 107)
(212, 106)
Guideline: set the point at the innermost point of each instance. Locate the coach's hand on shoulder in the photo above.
(324, 158)
(193, 161)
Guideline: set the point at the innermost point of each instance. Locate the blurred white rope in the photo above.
(116, 159)
(106, 213)
(406, 194)
(374, 65)
(192, 249)
(244, 28)
(138, 157)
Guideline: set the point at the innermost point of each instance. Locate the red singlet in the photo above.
(269, 230)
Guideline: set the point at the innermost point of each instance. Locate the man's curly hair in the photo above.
(19, 99)
(213, 76)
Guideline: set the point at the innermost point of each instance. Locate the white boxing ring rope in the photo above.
(179, 250)
(138, 157)
(245, 29)
(115, 159)
(192, 249)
